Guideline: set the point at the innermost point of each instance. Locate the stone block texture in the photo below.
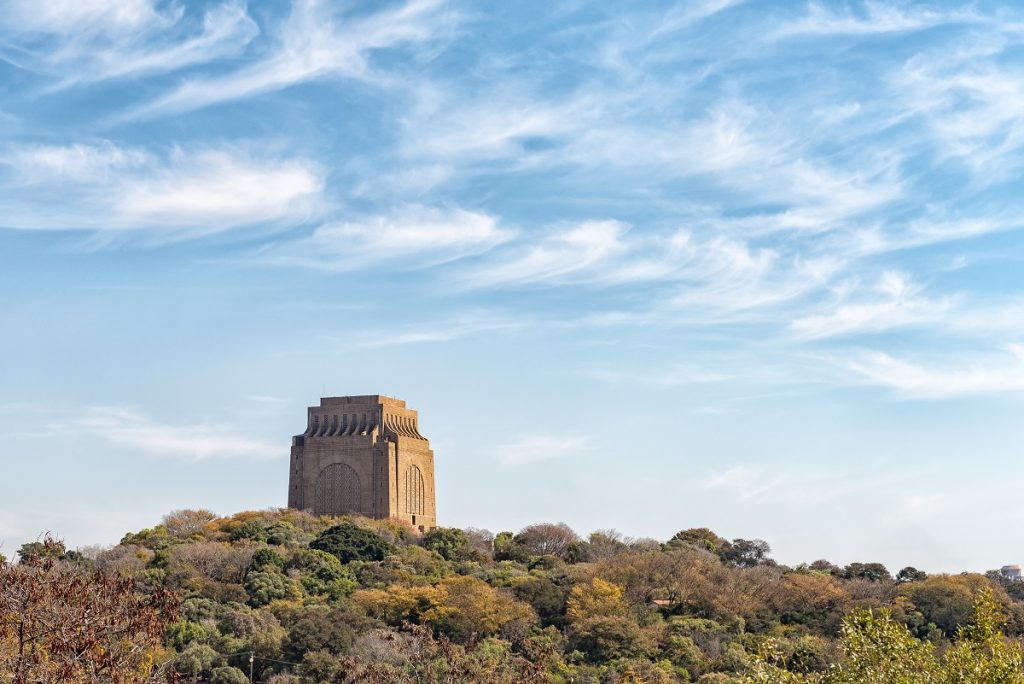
(365, 455)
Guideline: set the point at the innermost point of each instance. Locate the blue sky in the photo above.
(746, 265)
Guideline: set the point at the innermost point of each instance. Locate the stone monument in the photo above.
(363, 455)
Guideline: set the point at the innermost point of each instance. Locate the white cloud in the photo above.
(105, 187)
(219, 189)
(729, 276)
(464, 325)
(130, 428)
(895, 302)
(539, 448)
(744, 481)
(413, 234)
(74, 16)
(970, 98)
(799, 484)
(994, 374)
(313, 43)
(573, 251)
(87, 41)
(877, 17)
(498, 126)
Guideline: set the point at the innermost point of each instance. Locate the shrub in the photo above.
(349, 542)
(228, 675)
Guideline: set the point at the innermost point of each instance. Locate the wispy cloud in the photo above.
(315, 42)
(969, 96)
(572, 252)
(869, 18)
(538, 448)
(411, 235)
(964, 377)
(467, 324)
(86, 42)
(894, 302)
(116, 188)
(796, 484)
(130, 428)
(744, 481)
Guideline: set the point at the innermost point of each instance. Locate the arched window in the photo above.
(338, 491)
(413, 491)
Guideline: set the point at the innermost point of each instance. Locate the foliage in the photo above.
(265, 587)
(60, 622)
(449, 542)
(345, 599)
(877, 648)
(187, 522)
(546, 539)
(350, 542)
(228, 675)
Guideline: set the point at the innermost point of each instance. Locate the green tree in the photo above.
(266, 558)
(872, 572)
(251, 530)
(228, 675)
(698, 537)
(910, 574)
(264, 587)
(318, 629)
(350, 542)
(450, 542)
(323, 574)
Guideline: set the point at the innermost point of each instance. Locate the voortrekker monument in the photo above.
(364, 455)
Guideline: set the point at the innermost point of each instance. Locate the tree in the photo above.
(698, 537)
(265, 587)
(323, 574)
(606, 637)
(458, 607)
(547, 538)
(64, 623)
(507, 548)
(251, 530)
(480, 540)
(945, 602)
(228, 675)
(596, 598)
(879, 650)
(349, 542)
(604, 544)
(910, 574)
(546, 597)
(450, 542)
(264, 558)
(186, 521)
(318, 628)
(745, 553)
(981, 654)
(872, 572)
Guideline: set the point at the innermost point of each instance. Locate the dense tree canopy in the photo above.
(314, 600)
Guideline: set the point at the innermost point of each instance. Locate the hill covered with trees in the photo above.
(290, 598)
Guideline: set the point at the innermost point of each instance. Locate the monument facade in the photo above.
(363, 455)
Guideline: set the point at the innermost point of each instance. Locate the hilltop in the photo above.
(345, 599)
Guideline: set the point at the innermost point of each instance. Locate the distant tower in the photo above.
(363, 455)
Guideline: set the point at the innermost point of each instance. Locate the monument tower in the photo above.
(364, 455)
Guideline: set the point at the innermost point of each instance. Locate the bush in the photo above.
(264, 587)
(228, 675)
(450, 542)
(348, 542)
(323, 574)
(264, 558)
(251, 530)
